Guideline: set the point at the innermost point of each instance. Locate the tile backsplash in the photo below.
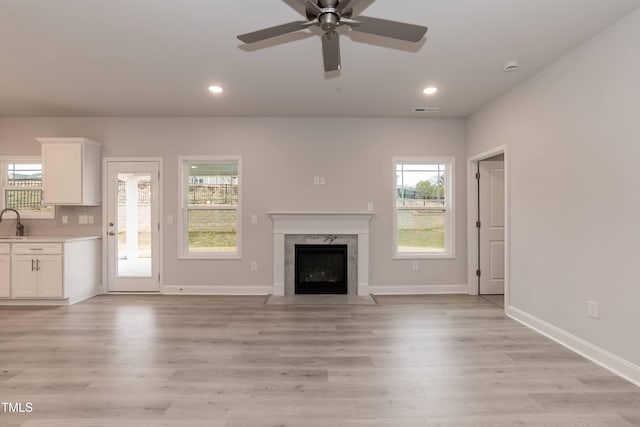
(80, 221)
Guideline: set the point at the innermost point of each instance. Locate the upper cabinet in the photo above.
(70, 171)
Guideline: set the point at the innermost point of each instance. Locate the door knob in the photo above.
(111, 233)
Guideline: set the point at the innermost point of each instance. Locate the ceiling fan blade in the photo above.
(314, 6)
(386, 28)
(331, 51)
(270, 32)
(345, 4)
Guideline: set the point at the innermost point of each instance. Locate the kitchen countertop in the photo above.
(45, 239)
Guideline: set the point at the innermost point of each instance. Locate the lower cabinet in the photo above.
(38, 273)
(53, 272)
(5, 276)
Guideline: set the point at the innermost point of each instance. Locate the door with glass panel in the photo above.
(133, 228)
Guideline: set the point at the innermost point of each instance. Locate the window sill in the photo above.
(210, 257)
(422, 256)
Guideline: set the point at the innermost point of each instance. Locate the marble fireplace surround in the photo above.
(320, 223)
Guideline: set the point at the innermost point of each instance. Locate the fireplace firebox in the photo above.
(321, 269)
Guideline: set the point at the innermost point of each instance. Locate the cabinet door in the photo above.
(62, 173)
(49, 269)
(5, 276)
(24, 280)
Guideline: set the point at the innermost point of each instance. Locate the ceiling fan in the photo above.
(332, 14)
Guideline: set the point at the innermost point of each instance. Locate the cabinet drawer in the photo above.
(37, 248)
(5, 248)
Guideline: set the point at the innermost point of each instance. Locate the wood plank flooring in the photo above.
(235, 362)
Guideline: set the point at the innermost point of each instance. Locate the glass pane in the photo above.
(134, 225)
(24, 200)
(420, 185)
(421, 231)
(24, 183)
(213, 184)
(24, 175)
(213, 231)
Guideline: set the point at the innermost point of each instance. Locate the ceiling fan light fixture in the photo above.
(431, 90)
(216, 89)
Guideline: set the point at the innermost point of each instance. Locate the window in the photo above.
(210, 207)
(423, 211)
(21, 183)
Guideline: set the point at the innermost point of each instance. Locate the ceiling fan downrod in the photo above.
(328, 13)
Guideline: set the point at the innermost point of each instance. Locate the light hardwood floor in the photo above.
(235, 362)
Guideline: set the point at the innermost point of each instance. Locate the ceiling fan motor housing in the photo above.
(329, 18)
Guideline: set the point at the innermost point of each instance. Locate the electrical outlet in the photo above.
(169, 219)
(254, 219)
(593, 310)
(90, 219)
(415, 266)
(323, 181)
(65, 219)
(370, 206)
(82, 219)
(316, 180)
(254, 265)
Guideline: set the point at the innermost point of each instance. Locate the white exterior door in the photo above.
(492, 227)
(132, 229)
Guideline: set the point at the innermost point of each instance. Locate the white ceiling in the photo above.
(157, 57)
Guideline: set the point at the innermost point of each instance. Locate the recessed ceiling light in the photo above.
(430, 90)
(215, 89)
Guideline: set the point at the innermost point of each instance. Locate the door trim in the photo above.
(472, 235)
(105, 182)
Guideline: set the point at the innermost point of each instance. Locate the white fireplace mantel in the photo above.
(320, 223)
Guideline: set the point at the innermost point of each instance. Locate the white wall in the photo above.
(280, 157)
(573, 137)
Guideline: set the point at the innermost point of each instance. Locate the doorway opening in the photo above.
(488, 226)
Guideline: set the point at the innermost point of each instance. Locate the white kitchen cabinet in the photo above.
(36, 271)
(71, 171)
(5, 271)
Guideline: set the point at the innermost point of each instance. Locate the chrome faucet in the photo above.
(19, 226)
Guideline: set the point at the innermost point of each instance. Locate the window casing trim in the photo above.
(449, 233)
(184, 163)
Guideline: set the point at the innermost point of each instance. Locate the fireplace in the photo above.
(350, 228)
(321, 269)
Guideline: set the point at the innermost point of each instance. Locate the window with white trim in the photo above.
(423, 207)
(21, 183)
(210, 207)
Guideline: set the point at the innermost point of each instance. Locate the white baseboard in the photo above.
(215, 290)
(84, 297)
(35, 301)
(602, 357)
(418, 289)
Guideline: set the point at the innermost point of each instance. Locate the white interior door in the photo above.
(492, 227)
(133, 244)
